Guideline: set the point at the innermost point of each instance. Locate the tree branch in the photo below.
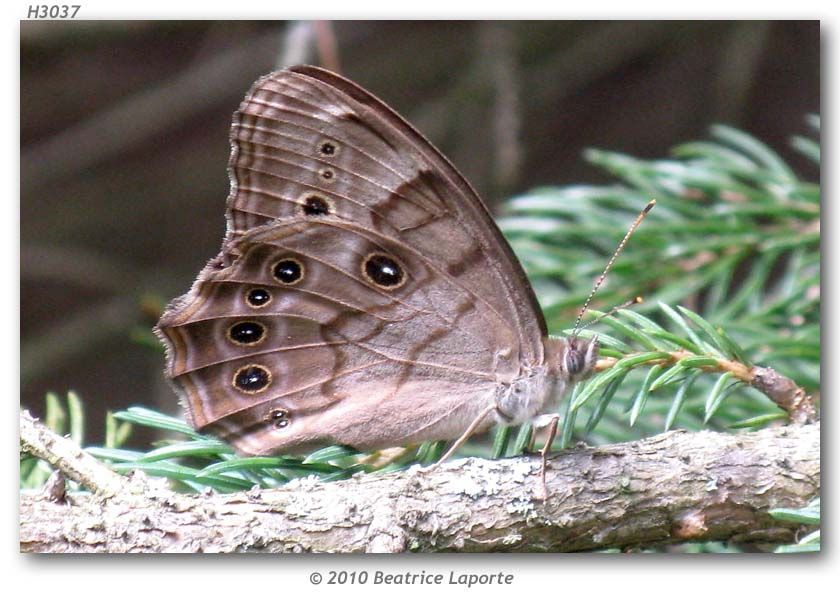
(670, 488)
(66, 456)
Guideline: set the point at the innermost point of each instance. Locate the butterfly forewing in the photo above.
(297, 125)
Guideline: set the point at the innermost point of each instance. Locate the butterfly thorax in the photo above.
(538, 388)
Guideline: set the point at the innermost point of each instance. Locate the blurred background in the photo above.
(124, 144)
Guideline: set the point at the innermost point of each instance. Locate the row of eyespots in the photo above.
(287, 271)
(315, 205)
(379, 269)
(328, 149)
(255, 378)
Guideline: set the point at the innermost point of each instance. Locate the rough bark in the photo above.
(670, 488)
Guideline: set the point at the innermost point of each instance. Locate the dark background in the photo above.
(124, 144)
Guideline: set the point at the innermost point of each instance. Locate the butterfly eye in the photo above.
(288, 271)
(258, 297)
(252, 379)
(579, 357)
(314, 206)
(327, 149)
(573, 362)
(383, 271)
(246, 333)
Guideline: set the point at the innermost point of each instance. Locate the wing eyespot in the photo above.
(316, 206)
(258, 298)
(288, 271)
(278, 417)
(246, 333)
(252, 379)
(383, 271)
(328, 148)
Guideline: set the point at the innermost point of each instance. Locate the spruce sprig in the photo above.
(728, 262)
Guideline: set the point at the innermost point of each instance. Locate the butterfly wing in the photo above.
(298, 125)
(408, 302)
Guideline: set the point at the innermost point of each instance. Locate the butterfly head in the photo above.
(572, 359)
(578, 358)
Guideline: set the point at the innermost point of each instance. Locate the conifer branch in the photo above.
(67, 457)
(782, 390)
(671, 488)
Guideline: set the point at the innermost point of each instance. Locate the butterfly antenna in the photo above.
(610, 263)
(612, 311)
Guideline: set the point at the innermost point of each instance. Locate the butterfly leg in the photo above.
(552, 432)
(466, 435)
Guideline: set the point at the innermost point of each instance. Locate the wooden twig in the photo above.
(66, 456)
(670, 488)
(785, 393)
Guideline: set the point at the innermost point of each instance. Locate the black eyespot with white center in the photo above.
(383, 271)
(327, 148)
(258, 297)
(315, 206)
(278, 417)
(252, 379)
(246, 333)
(288, 271)
(327, 175)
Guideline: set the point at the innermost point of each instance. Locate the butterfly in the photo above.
(363, 294)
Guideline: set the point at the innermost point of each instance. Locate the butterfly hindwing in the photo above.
(332, 335)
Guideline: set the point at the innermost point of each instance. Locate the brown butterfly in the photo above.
(363, 294)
